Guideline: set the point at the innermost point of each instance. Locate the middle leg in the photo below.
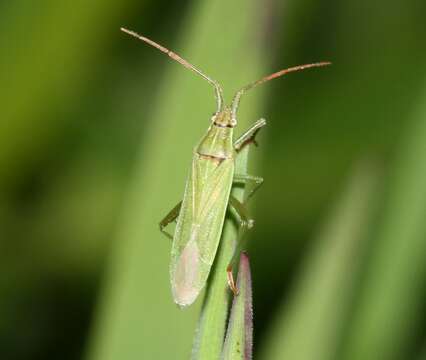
(254, 181)
(245, 223)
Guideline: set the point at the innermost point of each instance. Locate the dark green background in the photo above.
(77, 98)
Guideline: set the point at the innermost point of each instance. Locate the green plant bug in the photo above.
(201, 214)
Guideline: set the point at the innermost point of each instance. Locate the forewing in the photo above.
(199, 226)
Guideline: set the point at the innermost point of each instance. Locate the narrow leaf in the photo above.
(137, 313)
(239, 335)
(309, 325)
(392, 297)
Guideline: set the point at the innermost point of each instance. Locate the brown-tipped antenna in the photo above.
(237, 97)
(182, 61)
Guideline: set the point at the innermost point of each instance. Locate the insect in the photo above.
(201, 214)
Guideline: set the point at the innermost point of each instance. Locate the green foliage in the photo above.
(239, 334)
(128, 325)
(309, 325)
(96, 133)
(390, 298)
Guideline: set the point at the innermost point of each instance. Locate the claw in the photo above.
(231, 282)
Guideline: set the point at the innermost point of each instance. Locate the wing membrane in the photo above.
(199, 226)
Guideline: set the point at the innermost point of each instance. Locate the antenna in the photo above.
(237, 97)
(182, 61)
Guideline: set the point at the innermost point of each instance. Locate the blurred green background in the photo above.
(96, 133)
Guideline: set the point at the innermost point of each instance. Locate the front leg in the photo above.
(249, 136)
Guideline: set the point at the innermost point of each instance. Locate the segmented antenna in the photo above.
(182, 61)
(237, 97)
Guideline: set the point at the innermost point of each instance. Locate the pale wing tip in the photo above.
(185, 275)
(184, 298)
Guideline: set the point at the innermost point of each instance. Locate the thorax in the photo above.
(217, 143)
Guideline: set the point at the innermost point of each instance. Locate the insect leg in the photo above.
(254, 181)
(245, 223)
(170, 217)
(249, 136)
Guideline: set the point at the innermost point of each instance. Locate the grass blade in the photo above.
(136, 301)
(239, 335)
(393, 294)
(308, 327)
